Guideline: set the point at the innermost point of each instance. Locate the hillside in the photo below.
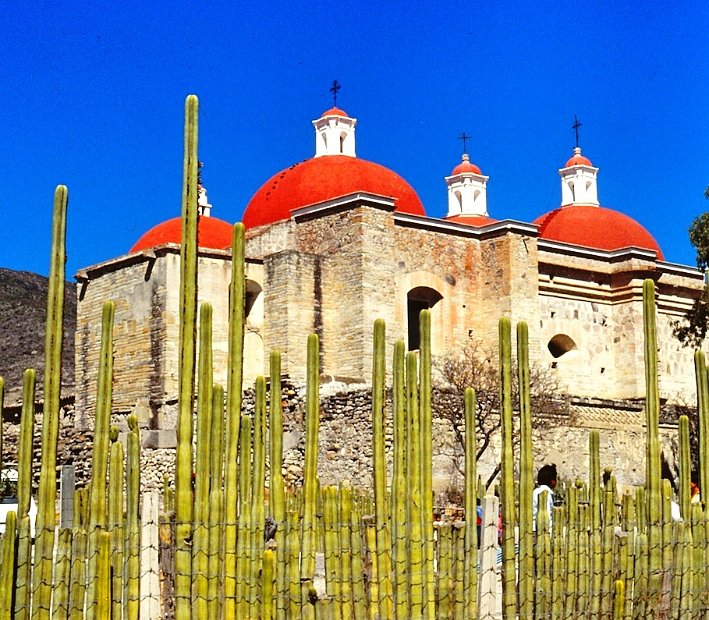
(23, 312)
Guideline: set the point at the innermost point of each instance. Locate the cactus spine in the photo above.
(46, 499)
(188, 313)
(233, 417)
(379, 467)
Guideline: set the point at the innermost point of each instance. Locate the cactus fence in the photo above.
(337, 552)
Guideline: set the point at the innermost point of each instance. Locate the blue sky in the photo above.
(94, 92)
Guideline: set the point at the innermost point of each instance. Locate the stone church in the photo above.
(336, 241)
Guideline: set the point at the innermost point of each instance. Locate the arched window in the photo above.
(573, 192)
(417, 299)
(560, 345)
(253, 303)
(459, 198)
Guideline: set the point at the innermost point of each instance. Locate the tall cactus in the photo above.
(470, 570)
(46, 499)
(427, 459)
(200, 543)
(233, 417)
(257, 486)
(507, 496)
(99, 464)
(379, 469)
(24, 491)
(115, 520)
(132, 581)
(702, 382)
(685, 464)
(276, 496)
(216, 504)
(310, 483)
(526, 482)
(188, 313)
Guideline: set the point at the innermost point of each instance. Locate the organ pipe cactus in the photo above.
(60, 597)
(243, 565)
(216, 503)
(507, 495)
(46, 499)
(310, 483)
(99, 463)
(233, 417)
(685, 465)
(132, 582)
(257, 486)
(700, 372)
(8, 563)
(379, 468)
(24, 491)
(276, 496)
(470, 570)
(188, 313)
(526, 486)
(426, 460)
(115, 520)
(200, 543)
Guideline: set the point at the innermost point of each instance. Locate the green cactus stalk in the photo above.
(235, 372)
(99, 463)
(258, 482)
(608, 561)
(132, 580)
(276, 493)
(427, 460)
(216, 504)
(699, 539)
(115, 520)
(700, 372)
(77, 585)
(200, 542)
(685, 465)
(293, 545)
(46, 498)
(583, 569)
(653, 470)
(526, 476)
(243, 566)
(470, 570)
(331, 548)
(60, 598)
(359, 599)
(507, 495)
(103, 600)
(642, 593)
(458, 541)
(399, 482)
(345, 547)
(371, 538)
(8, 564)
(24, 492)
(594, 489)
(444, 572)
(543, 557)
(379, 469)
(558, 565)
(267, 606)
(414, 504)
(2, 405)
(571, 577)
(619, 601)
(188, 314)
(310, 473)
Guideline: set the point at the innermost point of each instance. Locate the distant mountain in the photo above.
(23, 314)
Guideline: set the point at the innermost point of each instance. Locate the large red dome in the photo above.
(595, 227)
(323, 178)
(211, 233)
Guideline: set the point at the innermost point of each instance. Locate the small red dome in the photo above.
(465, 166)
(334, 111)
(323, 178)
(578, 160)
(471, 220)
(211, 233)
(595, 227)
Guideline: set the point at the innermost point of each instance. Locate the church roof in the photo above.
(578, 160)
(466, 166)
(595, 227)
(211, 233)
(471, 220)
(323, 178)
(334, 111)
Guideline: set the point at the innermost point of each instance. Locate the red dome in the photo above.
(465, 166)
(323, 178)
(595, 227)
(471, 220)
(334, 111)
(211, 233)
(578, 160)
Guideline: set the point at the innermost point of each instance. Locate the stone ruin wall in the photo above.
(345, 442)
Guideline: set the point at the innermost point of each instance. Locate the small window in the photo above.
(417, 299)
(253, 290)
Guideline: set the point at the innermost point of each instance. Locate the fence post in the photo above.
(67, 485)
(489, 592)
(149, 559)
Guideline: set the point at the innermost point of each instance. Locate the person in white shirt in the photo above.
(546, 481)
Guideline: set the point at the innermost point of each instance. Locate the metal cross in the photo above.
(575, 127)
(464, 137)
(334, 89)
